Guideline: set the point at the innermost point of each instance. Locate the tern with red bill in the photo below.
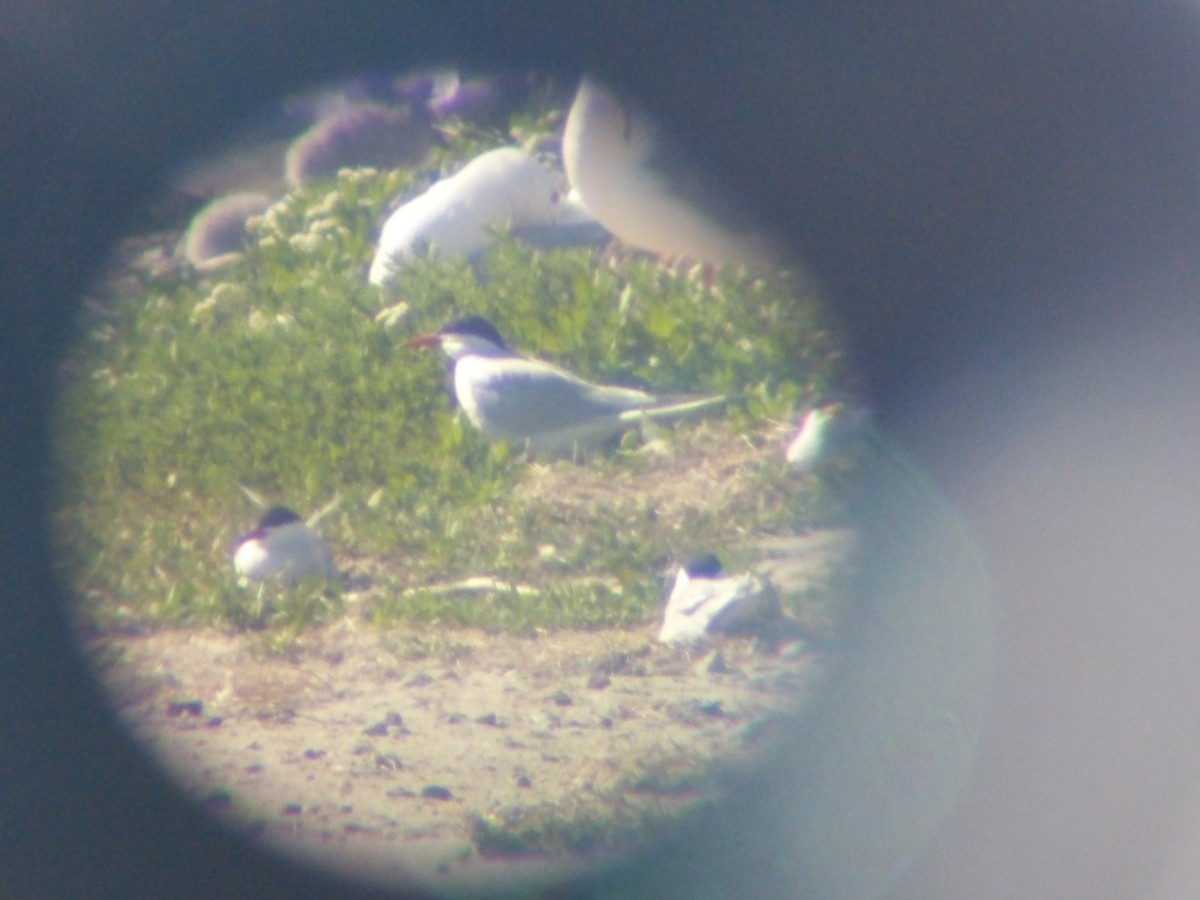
(528, 401)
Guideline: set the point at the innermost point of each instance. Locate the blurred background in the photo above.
(1003, 202)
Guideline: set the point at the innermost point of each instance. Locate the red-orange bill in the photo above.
(425, 340)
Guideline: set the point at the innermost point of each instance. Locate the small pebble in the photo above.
(436, 792)
(293, 809)
(391, 720)
(179, 707)
(388, 761)
(712, 709)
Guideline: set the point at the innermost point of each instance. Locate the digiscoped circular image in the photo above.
(458, 488)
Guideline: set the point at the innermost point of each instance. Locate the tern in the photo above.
(704, 600)
(645, 190)
(282, 544)
(506, 395)
(824, 432)
(453, 216)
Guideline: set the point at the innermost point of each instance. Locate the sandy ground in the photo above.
(460, 757)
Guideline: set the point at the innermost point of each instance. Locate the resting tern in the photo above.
(282, 544)
(646, 191)
(452, 216)
(825, 431)
(703, 600)
(506, 395)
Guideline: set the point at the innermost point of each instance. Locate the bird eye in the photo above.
(443, 643)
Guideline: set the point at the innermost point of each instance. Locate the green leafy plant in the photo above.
(287, 373)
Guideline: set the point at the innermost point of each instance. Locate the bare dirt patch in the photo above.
(455, 755)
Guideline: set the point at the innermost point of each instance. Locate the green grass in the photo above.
(613, 822)
(280, 373)
(649, 800)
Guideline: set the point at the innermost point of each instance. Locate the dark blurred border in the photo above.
(967, 179)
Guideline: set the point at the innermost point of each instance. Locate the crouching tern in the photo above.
(282, 545)
(704, 600)
(452, 217)
(825, 431)
(523, 400)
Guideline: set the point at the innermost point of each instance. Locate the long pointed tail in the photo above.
(672, 410)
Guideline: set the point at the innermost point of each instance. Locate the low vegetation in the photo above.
(285, 373)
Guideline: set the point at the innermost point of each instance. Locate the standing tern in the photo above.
(282, 544)
(704, 600)
(506, 395)
(647, 191)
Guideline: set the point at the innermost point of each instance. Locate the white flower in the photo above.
(223, 295)
(305, 242)
(324, 207)
(391, 316)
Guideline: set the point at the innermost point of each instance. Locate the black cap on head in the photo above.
(276, 516)
(476, 326)
(704, 566)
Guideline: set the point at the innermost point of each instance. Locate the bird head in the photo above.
(705, 565)
(275, 517)
(468, 335)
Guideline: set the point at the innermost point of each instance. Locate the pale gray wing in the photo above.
(526, 402)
